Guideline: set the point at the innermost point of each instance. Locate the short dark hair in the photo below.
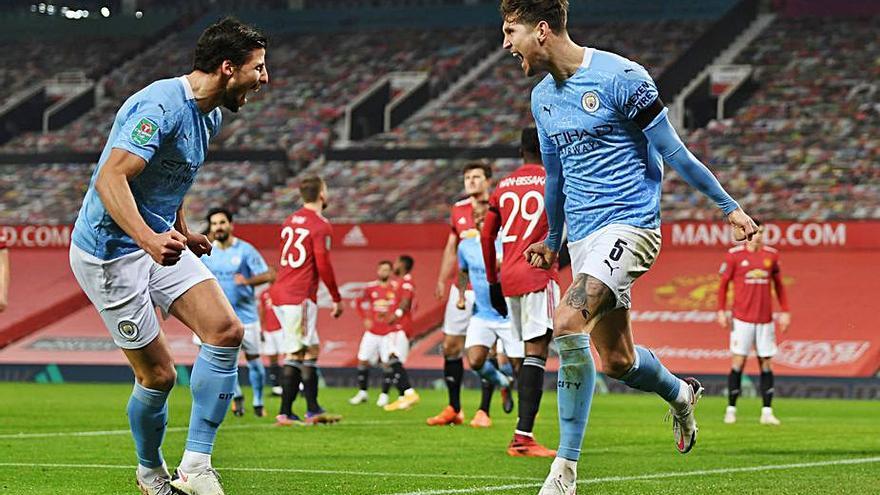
(479, 164)
(385, 262)
(528, 143)
(531, 12)
(310, 188)
(214, 211)
(408, 262)
(226, 39)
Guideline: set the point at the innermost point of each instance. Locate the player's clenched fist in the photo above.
(743, 225)
(165, 248)
(198, 243)
(540, 256)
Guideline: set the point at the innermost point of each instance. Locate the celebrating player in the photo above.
(455, 320)
(306, 237)
(399, 337)
(239, 267)
(603, 135)
(751, 269)
(132, 250)
(516, 208)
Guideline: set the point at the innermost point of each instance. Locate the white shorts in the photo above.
(299, 326)
(126, 290)
(616, 255)
(485, 333)
(272, 343)
(379, 348)
(532, 314)
(455, 321)
(745, 335)
(250, 344)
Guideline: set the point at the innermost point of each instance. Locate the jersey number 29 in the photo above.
(521, 209)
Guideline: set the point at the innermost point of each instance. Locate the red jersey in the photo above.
(516, 207)
(406, 289)
(751, 273)
(461, 218)
(270, 321)
(377, 304)
(305, 258)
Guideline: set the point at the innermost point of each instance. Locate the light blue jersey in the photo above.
(161, 124)
(610, 173)
(241, 257)
(470, 259)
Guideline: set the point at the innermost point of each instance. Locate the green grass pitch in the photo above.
(73, 439)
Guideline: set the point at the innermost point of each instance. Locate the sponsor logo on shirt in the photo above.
(143, 131)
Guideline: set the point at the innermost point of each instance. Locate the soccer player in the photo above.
(306, 238)
(131, 250)
(603, 136)
(398, 340)
(751, 268)
(516, 209)
(239, 267)
(455, 321)
(272, 337)
(4, 275)
(488, 325)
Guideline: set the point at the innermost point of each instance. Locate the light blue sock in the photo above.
(257, 375)
(507, 369)
(491, 373)
(575, 386)
(649, 374)
(212, 382)
(148, 416)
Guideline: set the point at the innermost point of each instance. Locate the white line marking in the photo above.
(283, 470)
(653, 476)
(174, 429)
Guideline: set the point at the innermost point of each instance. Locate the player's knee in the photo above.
(452, 348)
(617, 364)
(567, 321)
(160, 377)
(229, 333)
(476, 361)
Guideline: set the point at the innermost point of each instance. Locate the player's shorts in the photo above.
(455, 321)
(126, 290)
(379, 348)
(272, 342)
(299, 326)
(745, 335)
(486, 333)
(531, 315)
(616, 255)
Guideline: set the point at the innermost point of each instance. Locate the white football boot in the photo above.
(383, 400)
(767, 417)
(562, 479)
(205, 482)
(359, 398)
(154, 484)
(684, 424)
(730, 415)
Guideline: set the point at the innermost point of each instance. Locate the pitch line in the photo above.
(173, 429)
(282, 470)
(654, 476)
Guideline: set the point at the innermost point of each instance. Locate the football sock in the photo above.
(147, 417)
(194, 462)
(310, 384)
(400, 377)
(387, 379)
(290, 380)
(530, 388)
(363, 377)
(577, 381)
(649, 375)
(767, 387)
(453, 371)
(213, 378)
(492, 374)
(275, 375)
(734, 384)
(487, 388)
(257, 376)
(236, 391)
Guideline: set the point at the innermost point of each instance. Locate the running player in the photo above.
(516, 208)
(131, 250)
(603, 136)
(271, 339)
(751, 268)
(488, 325)
(455, 321)
(4, 274)
(398, 340)
(239, 267)
(375, 306)
(306, 237)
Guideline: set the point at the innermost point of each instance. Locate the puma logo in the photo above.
(611, 268)
(546, 108)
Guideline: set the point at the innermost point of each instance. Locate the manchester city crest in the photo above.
(590, 101)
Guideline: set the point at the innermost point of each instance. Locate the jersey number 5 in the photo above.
(520, 209)
(298, 257)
